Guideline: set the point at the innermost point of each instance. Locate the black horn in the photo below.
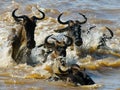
(88, 31)
(43, 15)
(92, 27)
(84, 18)
(56, 40)
(47, 43)
(14, 16)
(111, 33)
(61, 71)
(61, 22)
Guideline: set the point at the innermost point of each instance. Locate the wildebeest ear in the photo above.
(71, 23)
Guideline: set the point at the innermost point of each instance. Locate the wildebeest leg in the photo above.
(15, 37)
(20, 56)
(15, 46)
(29, 60)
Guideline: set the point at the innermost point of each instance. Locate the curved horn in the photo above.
(40, 45)
(16, 17)
(111, 33)
(43, 15)
(47, 43)
(61, 71)
(69, 40)
(55, 40)
(75, 67)
(84, 18)
(90, 29)
(60, 20)
(13, 13)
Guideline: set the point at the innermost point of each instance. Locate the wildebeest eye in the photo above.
(72, 27)
(58, 48)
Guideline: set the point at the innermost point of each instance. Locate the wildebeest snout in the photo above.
(78, 41)
(31, 44)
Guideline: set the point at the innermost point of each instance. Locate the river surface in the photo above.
(104, 68)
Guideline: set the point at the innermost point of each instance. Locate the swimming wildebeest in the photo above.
(73, 29)
(29, 25)
(104, 38)
(24, 39)
(75, 75)
(57, 48)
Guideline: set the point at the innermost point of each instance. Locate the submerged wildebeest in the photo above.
(24, 39)
(104, 38)
(75, 75)
(56, 48)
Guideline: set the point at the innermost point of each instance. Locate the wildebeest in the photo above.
(73, 29)
(75, 75)
(24, 41)
(57, 48)
(29, 25)
(104, 38)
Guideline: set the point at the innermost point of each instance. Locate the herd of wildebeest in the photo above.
(57, 48)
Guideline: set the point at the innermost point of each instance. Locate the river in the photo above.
(103, 68)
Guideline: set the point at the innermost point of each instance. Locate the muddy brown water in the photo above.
(104, 70)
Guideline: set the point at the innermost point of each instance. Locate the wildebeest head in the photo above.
(29, 25)
(59, 47)
(74, 28)
(104, 38)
